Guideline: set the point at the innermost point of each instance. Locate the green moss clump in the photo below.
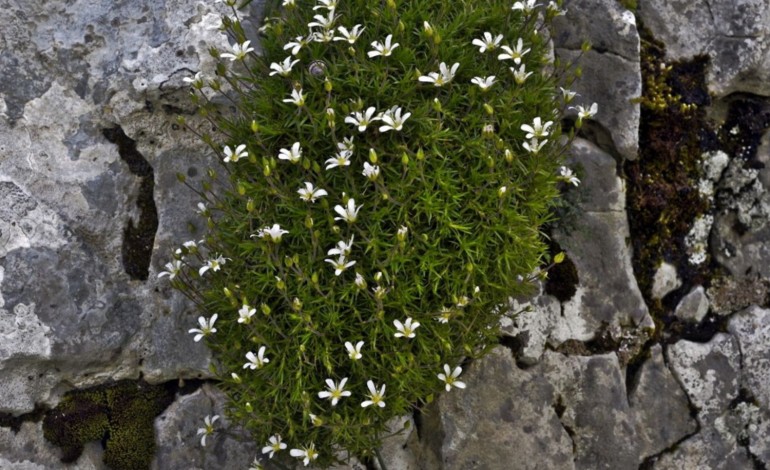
(120, 415)
(663, 196)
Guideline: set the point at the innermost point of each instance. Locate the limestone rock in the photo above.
(660, 406)
(709, 373)
(613, 61)
(709, 448)
(693, 306)
(504, 420)
(179, 446)
(601, 189)
(533, 326)
(584, 385)
(751, 327)
(27, 449)
(665, 280)
(731, 32)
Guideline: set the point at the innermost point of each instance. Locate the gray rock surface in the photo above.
(532, 325)
(693, 306)
(613, 62)
(751, 327)
(489, 426)
(731, 32)
(661, 406)
(665, 280)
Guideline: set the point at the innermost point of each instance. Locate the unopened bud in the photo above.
(404, 158)
(508, 156)
(501, 192)
(328, 85)
(265, 309)
(250, 205)
(254, 127)
(489, 109)
(420, 154)
(372, 157)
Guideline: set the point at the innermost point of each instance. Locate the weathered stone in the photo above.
(731, 33)
(661, 407)
(179, 446)
(756, 430)
(728, 295)
(613, 62)
(396, 450)
(601, 189)
(532, 326)
(584, 385)
(504, 420)
(28, 450)
(709, 373)
(665, 280)
(710, 448)
(607, 294)
(693, 306)
(751, 328)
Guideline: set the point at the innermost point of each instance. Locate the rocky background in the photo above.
(648, 348)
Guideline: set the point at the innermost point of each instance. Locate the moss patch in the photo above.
(663, 199)
(119, 415)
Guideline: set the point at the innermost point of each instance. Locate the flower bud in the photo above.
(265, 309)
(437, 105)
(241, 188)
(378, 276)
(420, 154)
(296, 304)
(309, 222)
(372, 157)
(236, 378)
(391, 4)
(404, 159)
(401, 234)
(266, 170)
(427, 28)
(279, 284)
(401, 26)
(228, 293)
(254, 126)
(489, 109)
(250, 205)
(249, 408)
(501, 192)
(508, 155)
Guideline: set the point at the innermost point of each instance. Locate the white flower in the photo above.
(537, 130)
(406, 330)
(375, 397)
(235, 155)
(361, 120)
(379, 292)
(214, 264)
(401, 233)
(196, 81)
(272, 234)
(484, 82)
(206, 327)
(383, 49)
(527, 5)
(488, 43)
(275, 445)
(307, 453)
(256, 362)
(191, 245)
(553, 7)
(282, 68)
(245, 313)
(297, 98)
(202, 209)
(239, 52)
(335, 391)
(328, 4)
(520, 75)
(172, 269)
(568, 95)
(393, 119)
(444, 315)
(340, 264)
(463, 301)
(442, 77)
(341, 159)
(288, 3)
(568, 176)
(325, 22)
(325, 35)
(256, 464)
(293, 155)
(584, 113)
(208, 429)
(354, 351)
(346, 144)
(451, 379)
(350, 213)
(295, 46)
(427, 28)
(534, 146)
(349, 36)
(342, 248)
(310, 193)
(371, 171)
(515, 54)
(360, 281)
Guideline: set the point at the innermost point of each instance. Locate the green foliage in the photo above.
(447, 230)
(121, 415)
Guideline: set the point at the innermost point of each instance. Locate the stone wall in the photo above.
(627, 358)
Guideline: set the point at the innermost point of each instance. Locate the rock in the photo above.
(179, 446)
(756, 430)
(665, 280)
(26, 449)
(607, 295)
(601, 189)
(728, 295)
(396, 450)
(532, 327)
(708, 449)
(708, 372)
(731, 33)
(693, 306)
(751, 327)
(614, 59)
(583, 385)
(504, 420)
(660, 405)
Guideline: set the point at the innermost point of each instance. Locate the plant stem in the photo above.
(380, 460)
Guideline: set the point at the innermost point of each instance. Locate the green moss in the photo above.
(663, 198)
(120, 415)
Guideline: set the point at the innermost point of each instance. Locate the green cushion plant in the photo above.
(379, 198)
